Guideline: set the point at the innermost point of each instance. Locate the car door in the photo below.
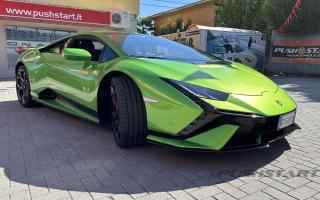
(76, 81)
(47, 58)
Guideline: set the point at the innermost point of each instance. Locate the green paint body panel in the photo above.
(76, 54)
(214, 139)
(265, 104)
(79, 80)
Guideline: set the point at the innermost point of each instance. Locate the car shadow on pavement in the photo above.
(306, 89)
(45, 148)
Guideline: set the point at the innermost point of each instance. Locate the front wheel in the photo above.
(128, 112)
(23, 88)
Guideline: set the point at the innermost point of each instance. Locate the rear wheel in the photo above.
(23, 88)
(128, 115)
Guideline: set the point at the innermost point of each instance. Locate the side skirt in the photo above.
(68, 106)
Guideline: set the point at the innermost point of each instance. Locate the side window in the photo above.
(98, 46)
(95, 48)
(108, 54)
(55, 48)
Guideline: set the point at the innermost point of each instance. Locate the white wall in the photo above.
(132, 24)
(4, 71)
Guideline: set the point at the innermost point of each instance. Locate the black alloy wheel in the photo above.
(23, 88)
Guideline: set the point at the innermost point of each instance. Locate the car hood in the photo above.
(233, 78)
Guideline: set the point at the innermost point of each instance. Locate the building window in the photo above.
(18, 39)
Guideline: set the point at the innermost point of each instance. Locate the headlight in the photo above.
(199, 91)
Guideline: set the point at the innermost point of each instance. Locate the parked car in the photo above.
(153, 89)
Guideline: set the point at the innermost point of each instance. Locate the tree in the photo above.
(189, 23)
(268, 15)
(164, 31)
(145, 26)
(243, 14)
(179, 24)
(307, 20)
(173, 28)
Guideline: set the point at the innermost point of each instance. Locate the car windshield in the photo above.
(145, 46)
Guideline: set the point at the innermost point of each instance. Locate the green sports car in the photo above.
(153, 89)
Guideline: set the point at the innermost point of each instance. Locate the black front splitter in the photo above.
(265, 144)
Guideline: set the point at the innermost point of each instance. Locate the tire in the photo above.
(128, 113)
(23, 88)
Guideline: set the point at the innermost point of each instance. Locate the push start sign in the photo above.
(303, 51)
(25, 11)
(295, 54)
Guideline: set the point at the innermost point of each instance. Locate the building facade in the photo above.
(201, 13)
(33, 23)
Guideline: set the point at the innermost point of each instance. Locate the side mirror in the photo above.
(76, 54)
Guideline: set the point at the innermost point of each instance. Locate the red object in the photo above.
(25, 11)
(312, 61)
(289, 19)
(296, 43)
(20, 50)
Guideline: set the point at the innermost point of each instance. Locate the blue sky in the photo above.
(150, 7)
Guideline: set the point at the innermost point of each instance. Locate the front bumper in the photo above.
(222, 130)
(263, 140)
(225, 131)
